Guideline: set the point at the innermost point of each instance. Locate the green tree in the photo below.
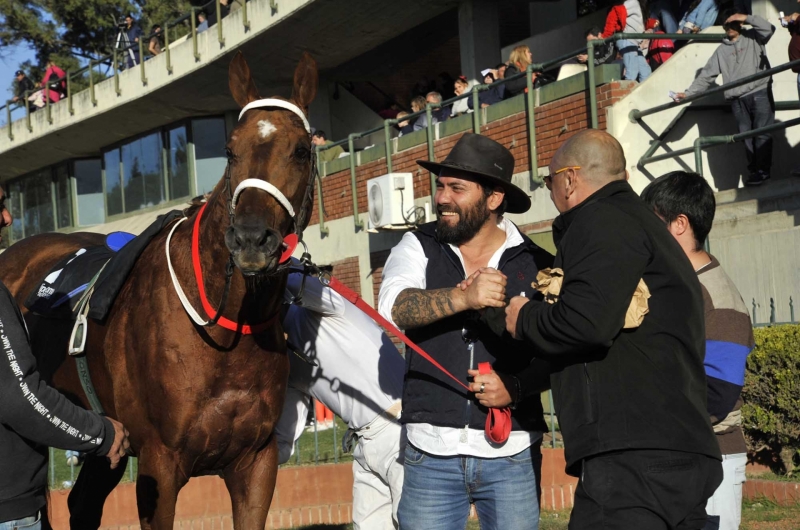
(73, 31)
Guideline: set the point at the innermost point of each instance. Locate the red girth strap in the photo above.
(244, 329)
(355, 299)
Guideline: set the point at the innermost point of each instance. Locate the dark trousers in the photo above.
(754, 111)
(645, 489)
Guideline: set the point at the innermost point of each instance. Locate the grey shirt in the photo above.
(736, 60)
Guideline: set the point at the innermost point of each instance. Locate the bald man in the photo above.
(631, 403)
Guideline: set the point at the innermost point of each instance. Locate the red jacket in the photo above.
(660, 50)
(50, 75)
(615, 20)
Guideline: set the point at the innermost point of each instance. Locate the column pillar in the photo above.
(479, 37)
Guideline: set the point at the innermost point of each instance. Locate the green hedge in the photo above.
(771, 412)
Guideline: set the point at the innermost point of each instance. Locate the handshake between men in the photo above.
(486, 287)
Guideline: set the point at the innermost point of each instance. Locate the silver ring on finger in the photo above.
(483, 386)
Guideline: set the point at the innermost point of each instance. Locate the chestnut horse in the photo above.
(196, 399)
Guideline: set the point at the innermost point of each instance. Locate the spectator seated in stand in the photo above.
(492, 95)
(319, 138)
(202, 22)
(659, 50)
(702, 14)
(518, 61)
(437, 114)
(54, 82)
(462, 105)
(603, 52)
(405, 126)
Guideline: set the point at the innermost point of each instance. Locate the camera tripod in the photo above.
(123, 43)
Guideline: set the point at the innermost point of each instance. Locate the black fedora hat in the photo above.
(488, 161)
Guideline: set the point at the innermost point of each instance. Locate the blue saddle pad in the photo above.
(57, 294)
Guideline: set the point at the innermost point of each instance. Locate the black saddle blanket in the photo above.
(59, 292)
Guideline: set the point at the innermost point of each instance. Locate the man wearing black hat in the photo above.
(24, 84)
(450, 461)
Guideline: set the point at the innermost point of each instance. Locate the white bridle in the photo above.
(258, 183)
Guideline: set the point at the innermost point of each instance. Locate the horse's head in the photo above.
(269, 150)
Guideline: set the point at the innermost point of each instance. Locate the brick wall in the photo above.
(555, 122)
(348, 273)
(304, 495)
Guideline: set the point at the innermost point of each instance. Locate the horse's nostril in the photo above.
(239, 241)
(264, 238)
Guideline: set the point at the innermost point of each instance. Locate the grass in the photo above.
(766, 515)
(774, 476)
(762, 515)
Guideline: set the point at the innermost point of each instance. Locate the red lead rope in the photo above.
(355, 299)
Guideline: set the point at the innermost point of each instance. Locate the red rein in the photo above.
(290, 242)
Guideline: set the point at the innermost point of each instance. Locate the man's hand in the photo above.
(486, 287)
(680, 96)
(494, 392)
(791, 18)
(121, 444)
(738, 17)
(582, 58)
(512, 313)
(15, 99)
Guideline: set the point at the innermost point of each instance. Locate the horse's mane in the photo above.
(195, 204)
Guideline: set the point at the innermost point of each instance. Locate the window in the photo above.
(89, 184)
(142, 178)
(208, 135)
(177, 163)
(14, 203)
(113, 183)
(37, 203)
(63, 196)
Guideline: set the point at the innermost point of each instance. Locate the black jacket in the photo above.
(616, 389)
(428, 395)
(33, 416)
(22, 86)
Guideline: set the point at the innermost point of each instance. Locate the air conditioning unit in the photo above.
(390, 200)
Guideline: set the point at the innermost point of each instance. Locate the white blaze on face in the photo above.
(265, 128)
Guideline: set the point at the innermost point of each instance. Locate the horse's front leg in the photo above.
(251, 482)
(157, 485)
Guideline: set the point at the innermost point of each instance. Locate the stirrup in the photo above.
(77, 340)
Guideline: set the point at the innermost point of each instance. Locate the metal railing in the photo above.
(704, 142)
(113, 59)
(474, 93)
(772, 311)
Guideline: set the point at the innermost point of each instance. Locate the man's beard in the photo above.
(469, 223)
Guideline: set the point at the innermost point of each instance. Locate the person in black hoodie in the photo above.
(35, 416)
(631, 402)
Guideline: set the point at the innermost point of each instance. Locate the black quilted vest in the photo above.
(430, 396)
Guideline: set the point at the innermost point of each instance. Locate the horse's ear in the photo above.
(306, 79)
(243, 88)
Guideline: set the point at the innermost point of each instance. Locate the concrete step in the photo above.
(755, 224)
(774, 196)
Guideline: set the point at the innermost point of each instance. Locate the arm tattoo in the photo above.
(414, 308)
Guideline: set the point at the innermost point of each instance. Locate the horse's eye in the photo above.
(229, 153)
(302, 153)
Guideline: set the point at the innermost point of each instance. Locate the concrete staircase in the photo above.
(773, 206)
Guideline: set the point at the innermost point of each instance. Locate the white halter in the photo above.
(258, 183)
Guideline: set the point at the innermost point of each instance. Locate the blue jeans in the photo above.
(636, 67)
(437, 491)
(34, 522)
(664, 10)
(704, 15)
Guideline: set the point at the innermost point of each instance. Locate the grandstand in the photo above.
(147, 139)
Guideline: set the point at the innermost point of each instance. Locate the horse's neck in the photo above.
(256, 304)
